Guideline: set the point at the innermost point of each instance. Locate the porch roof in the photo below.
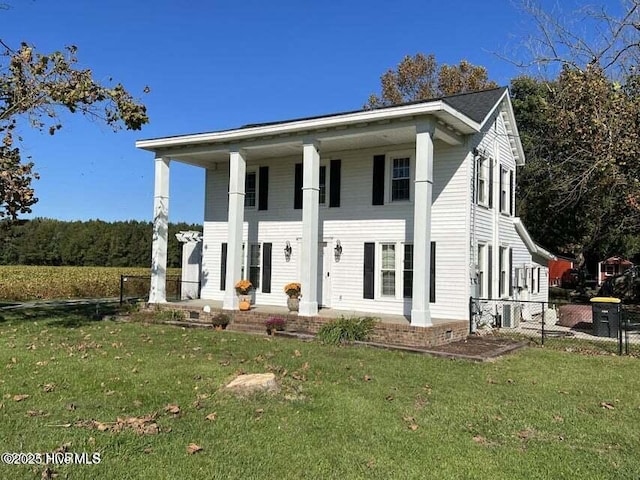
(455, 116)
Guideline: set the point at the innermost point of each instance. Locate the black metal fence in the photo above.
(605, 329)
(135, 288)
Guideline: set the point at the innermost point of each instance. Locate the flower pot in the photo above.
(293, 303)
(244, 305)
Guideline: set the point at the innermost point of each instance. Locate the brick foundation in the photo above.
(387, 333)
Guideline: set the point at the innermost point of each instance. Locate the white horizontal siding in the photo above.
(354, 223)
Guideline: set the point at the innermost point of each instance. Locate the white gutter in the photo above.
(300, 126)
(533, 247)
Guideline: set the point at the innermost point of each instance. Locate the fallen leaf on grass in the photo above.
(558, 418)
(48, 474)
(366, 378)
(606, 405)
(19, 398)
(212, 416)
(147, 450)
(297, 353)
(389, 398)
(413, 427)
(37, 413)
(193, 448)
(70, 406)
(108, 393)
(63, 448)
(526, 434)
(172, 408)
(49, 387)
(480, 439)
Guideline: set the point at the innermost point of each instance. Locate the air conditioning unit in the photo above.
(510, 316)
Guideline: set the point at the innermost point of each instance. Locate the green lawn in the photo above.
(342, 412)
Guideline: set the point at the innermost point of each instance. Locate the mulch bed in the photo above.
(475, 348)
(481, 346)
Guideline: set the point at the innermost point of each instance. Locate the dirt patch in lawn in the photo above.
(477, 348)
(480, 347)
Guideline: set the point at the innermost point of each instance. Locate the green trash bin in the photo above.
(605, 316)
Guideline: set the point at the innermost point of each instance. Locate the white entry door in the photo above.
(324, 274)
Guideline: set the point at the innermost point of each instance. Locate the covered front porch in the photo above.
(227, 155)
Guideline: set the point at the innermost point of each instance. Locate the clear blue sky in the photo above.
(219, 64)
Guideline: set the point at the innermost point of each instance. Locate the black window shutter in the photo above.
(297, 187)
(432, 281)
(369, 269)
(263, 185)
(378, 180)
(223, 267)
(489, 271)
(511, 196)
(334, 183)
(510, 272)
(490, 182)
(266, 267)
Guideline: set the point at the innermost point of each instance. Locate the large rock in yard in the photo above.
(255, 382)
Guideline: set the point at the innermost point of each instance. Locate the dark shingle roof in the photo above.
(475, 105)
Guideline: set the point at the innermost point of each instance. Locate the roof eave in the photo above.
(240, 135)
(532, 246)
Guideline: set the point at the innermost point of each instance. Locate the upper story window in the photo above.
(504, 190)
(323, 185)
(250, 189)
(400, 179)
(507, 201)
(484, 181)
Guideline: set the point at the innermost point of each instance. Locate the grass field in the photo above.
(73, 382)
(39, 283)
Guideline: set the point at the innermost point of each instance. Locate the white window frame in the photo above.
(482, 276)
(326, 184)
(504, 273)
(403, 269)
(252, 171)
(382, 270)
(482, 180)
(389, 175)
(503, 182)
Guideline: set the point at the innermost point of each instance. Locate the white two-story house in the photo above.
(405, 210)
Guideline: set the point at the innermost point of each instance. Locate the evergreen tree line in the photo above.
(44, 241)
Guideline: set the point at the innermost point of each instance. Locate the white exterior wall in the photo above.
(355, 222)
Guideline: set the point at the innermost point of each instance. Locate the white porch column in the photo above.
(237, 171)
(158, 290)
(420, 312)
(310, 211)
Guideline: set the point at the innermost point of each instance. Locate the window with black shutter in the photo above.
(378, 180)
(369, 270)
(223, 267)
(297, 187)
(334, 183)
(266, 267)
(263, 188)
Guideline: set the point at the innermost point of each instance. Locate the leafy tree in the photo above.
(579, 191)
(420, 78)
(37, 88)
